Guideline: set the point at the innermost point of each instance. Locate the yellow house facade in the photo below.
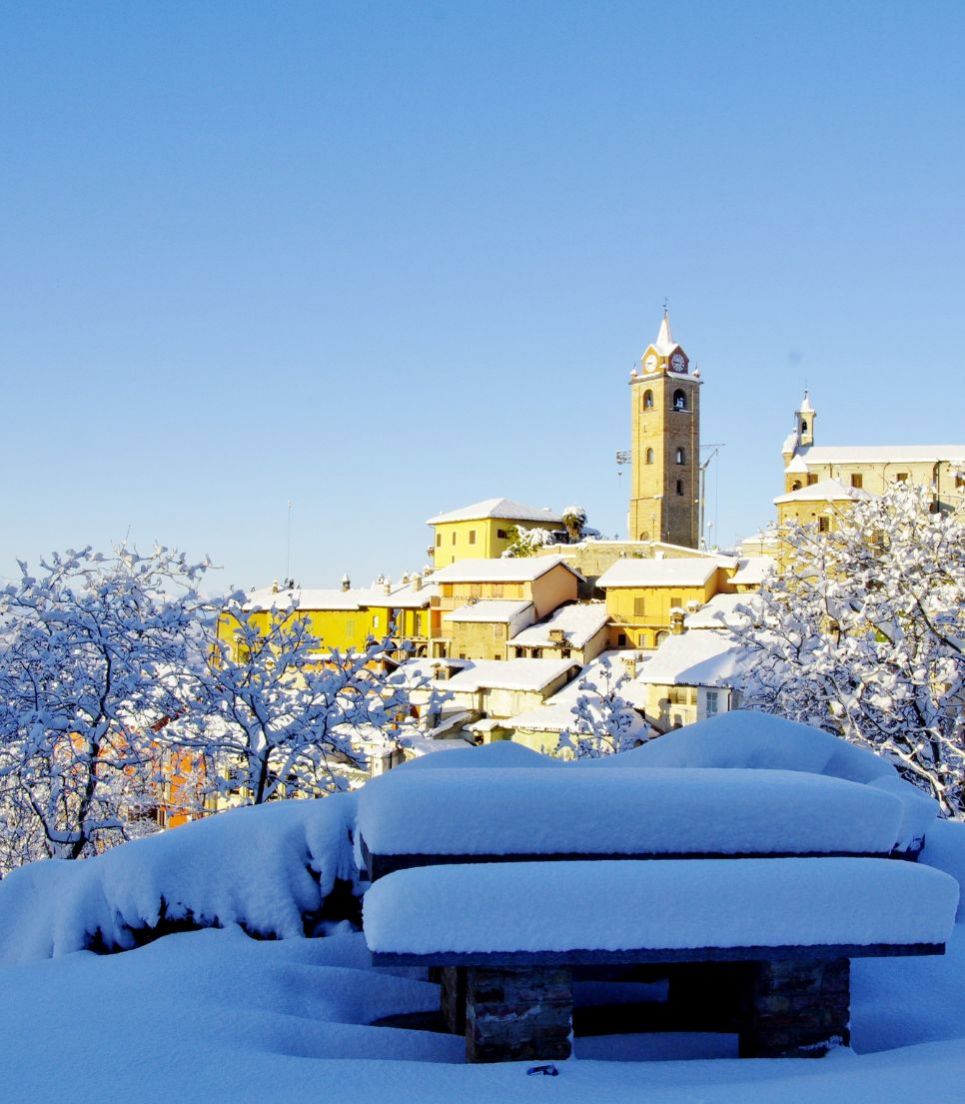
(644, 598)
(482, 604)
(484, 530)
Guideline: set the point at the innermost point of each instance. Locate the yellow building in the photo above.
(484, 530)
(346, 617)
(822, 503)
(482, 604)
(870, 468)
(665, 445)
(646, 598)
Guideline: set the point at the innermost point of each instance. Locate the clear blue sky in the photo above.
(387, 259)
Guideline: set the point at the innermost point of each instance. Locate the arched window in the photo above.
(645, 535)
(679, 399)
(796, 485)
(804, 427)
(648, 400)
(680, 456)
(649, 456)
(680, 486)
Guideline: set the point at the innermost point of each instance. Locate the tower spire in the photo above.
(665, 341)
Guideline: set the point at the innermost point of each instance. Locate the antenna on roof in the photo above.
(666, 305)
(288, 556)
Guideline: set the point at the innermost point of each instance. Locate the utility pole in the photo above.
(716, 446)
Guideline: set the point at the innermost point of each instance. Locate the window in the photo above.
(804, 426)
(856, 480)
(823, 525)
(639, 607)
(676, 603)
(679, 400)
(812, 478)
(712, 703)
(680, 456)
(901, 477)
(453, 538)
(622, 640)
(438, 540)
(502, 534)
(496, 590)
(648, 400)
(375, 621)
(472, 536)
(649, 456)
(796, 485)
(680, 486)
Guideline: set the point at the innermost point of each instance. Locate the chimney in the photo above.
(417, 581)
(630, 666)
(677, 622)
(346, 582)
(558, 636)
(274, 587)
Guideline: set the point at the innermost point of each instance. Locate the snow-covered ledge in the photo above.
(635, 911)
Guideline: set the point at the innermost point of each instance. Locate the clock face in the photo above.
(678, 363)
(650, 363)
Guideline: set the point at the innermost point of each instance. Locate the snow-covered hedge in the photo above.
(265, 868)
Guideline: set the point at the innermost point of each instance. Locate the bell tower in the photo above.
(665, 453)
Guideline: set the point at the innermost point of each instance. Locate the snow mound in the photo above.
(503, 753)
(945, 850)
(488, 908)
(263, 868)
(623, 811)
(762, 741)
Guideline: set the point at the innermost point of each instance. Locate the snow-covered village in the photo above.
(482, 598)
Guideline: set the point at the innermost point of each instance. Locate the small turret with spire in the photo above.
(805, 415)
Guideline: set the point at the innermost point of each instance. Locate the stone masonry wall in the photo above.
(518, 1014)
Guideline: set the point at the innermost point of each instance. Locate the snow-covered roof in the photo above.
(654, 573)
(691, 659)
(509, 674)
(825, 490)
(721, 612)
(420, 672)
(580, 622)
(752, 571)
(502, 508)
(486, 610)
(881, 454)
(523, 569)
(304, 598)
(411, 597)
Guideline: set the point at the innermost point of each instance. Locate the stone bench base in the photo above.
(785, 1008)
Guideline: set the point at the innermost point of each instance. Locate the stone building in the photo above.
(665, 445)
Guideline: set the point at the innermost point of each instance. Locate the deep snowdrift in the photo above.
(265, 868)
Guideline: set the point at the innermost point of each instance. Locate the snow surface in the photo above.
(675, 903)
(945, 850)
(264, 868)
(508, 674)
(761, 741)
(579, 621)
(502, 754)
(690, 659)
(489, 610)
(213, 1016)
(509, 810)
(825, 490)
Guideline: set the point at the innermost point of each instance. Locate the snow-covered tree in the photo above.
(527, 542)
(574, 518)
(277, 716)
(604, 721)
(863, 634)
(87, 659)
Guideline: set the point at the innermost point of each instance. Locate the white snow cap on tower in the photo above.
(665, 343)
(805, 407)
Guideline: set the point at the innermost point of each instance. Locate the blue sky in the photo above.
(382, 260)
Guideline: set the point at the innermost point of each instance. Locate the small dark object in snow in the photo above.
(547, 1071)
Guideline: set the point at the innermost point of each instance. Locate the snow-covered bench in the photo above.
(507, 878)
(508, 935)
(464, 815)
